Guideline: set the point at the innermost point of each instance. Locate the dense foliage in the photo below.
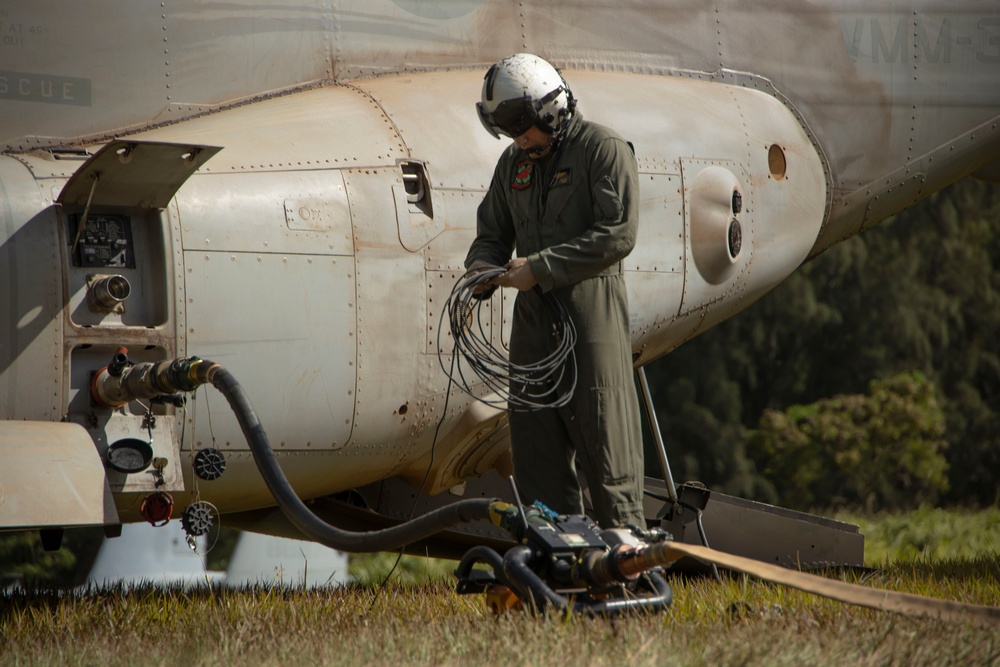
(918, 293)
(23, 560)
(882, 449)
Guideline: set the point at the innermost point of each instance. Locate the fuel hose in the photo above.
(124, 382)
(303, 518)
(909, 604)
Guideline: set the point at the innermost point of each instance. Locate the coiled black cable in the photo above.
(546, 383)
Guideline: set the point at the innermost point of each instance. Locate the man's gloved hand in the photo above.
(486, 289)
(519, 275)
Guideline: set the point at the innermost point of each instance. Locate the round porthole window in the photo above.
(776, 162)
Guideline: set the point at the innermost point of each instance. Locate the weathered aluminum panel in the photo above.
(653, 299)
(53, 476)
(315, 214)
(284, 326)
(31, 299)
(654, 270)
(432, 112)
(713, 275)
(417, 225)
(479, 441)
(137, 174)
(302, 213)
(780, 219)
(335, 127)
(457, 209)
(659, 247)
(444, 262)
(151, 62)
(395, 408)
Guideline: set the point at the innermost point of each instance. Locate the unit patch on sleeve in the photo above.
(522, 174)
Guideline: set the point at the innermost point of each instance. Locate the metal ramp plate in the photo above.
(768, 533)
(53, 476)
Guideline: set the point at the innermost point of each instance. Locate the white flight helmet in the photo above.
(523, 90)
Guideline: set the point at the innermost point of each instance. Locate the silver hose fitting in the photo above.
(108, 292)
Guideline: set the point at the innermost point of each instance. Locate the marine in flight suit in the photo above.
(573, 215)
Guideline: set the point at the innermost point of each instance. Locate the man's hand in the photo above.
(483, 290)
(518, 275)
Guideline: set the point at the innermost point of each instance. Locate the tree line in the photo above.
(869, 378)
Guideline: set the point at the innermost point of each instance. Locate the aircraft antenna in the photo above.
(86, 210)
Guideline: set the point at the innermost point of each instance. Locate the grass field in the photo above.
(417, 619)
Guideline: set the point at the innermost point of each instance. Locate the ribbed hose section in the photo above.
(302, 517)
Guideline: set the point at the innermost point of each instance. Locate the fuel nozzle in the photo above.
(627, 558)
(118, 363)
(121, 381)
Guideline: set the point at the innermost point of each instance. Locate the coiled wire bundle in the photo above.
(546, 383)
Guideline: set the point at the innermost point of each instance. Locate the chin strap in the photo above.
(535, 152)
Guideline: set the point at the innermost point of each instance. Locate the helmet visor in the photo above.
(511, 117)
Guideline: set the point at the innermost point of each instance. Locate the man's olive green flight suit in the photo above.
(574, 216)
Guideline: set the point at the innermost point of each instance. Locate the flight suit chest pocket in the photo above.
(567, 206)
(562, 189)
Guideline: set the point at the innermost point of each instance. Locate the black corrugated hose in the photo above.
(302, 517)
(529, 586)
(513, 570)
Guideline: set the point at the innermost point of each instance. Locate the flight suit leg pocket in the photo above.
(611, 450)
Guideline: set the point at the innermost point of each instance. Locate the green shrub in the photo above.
(881, 450)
